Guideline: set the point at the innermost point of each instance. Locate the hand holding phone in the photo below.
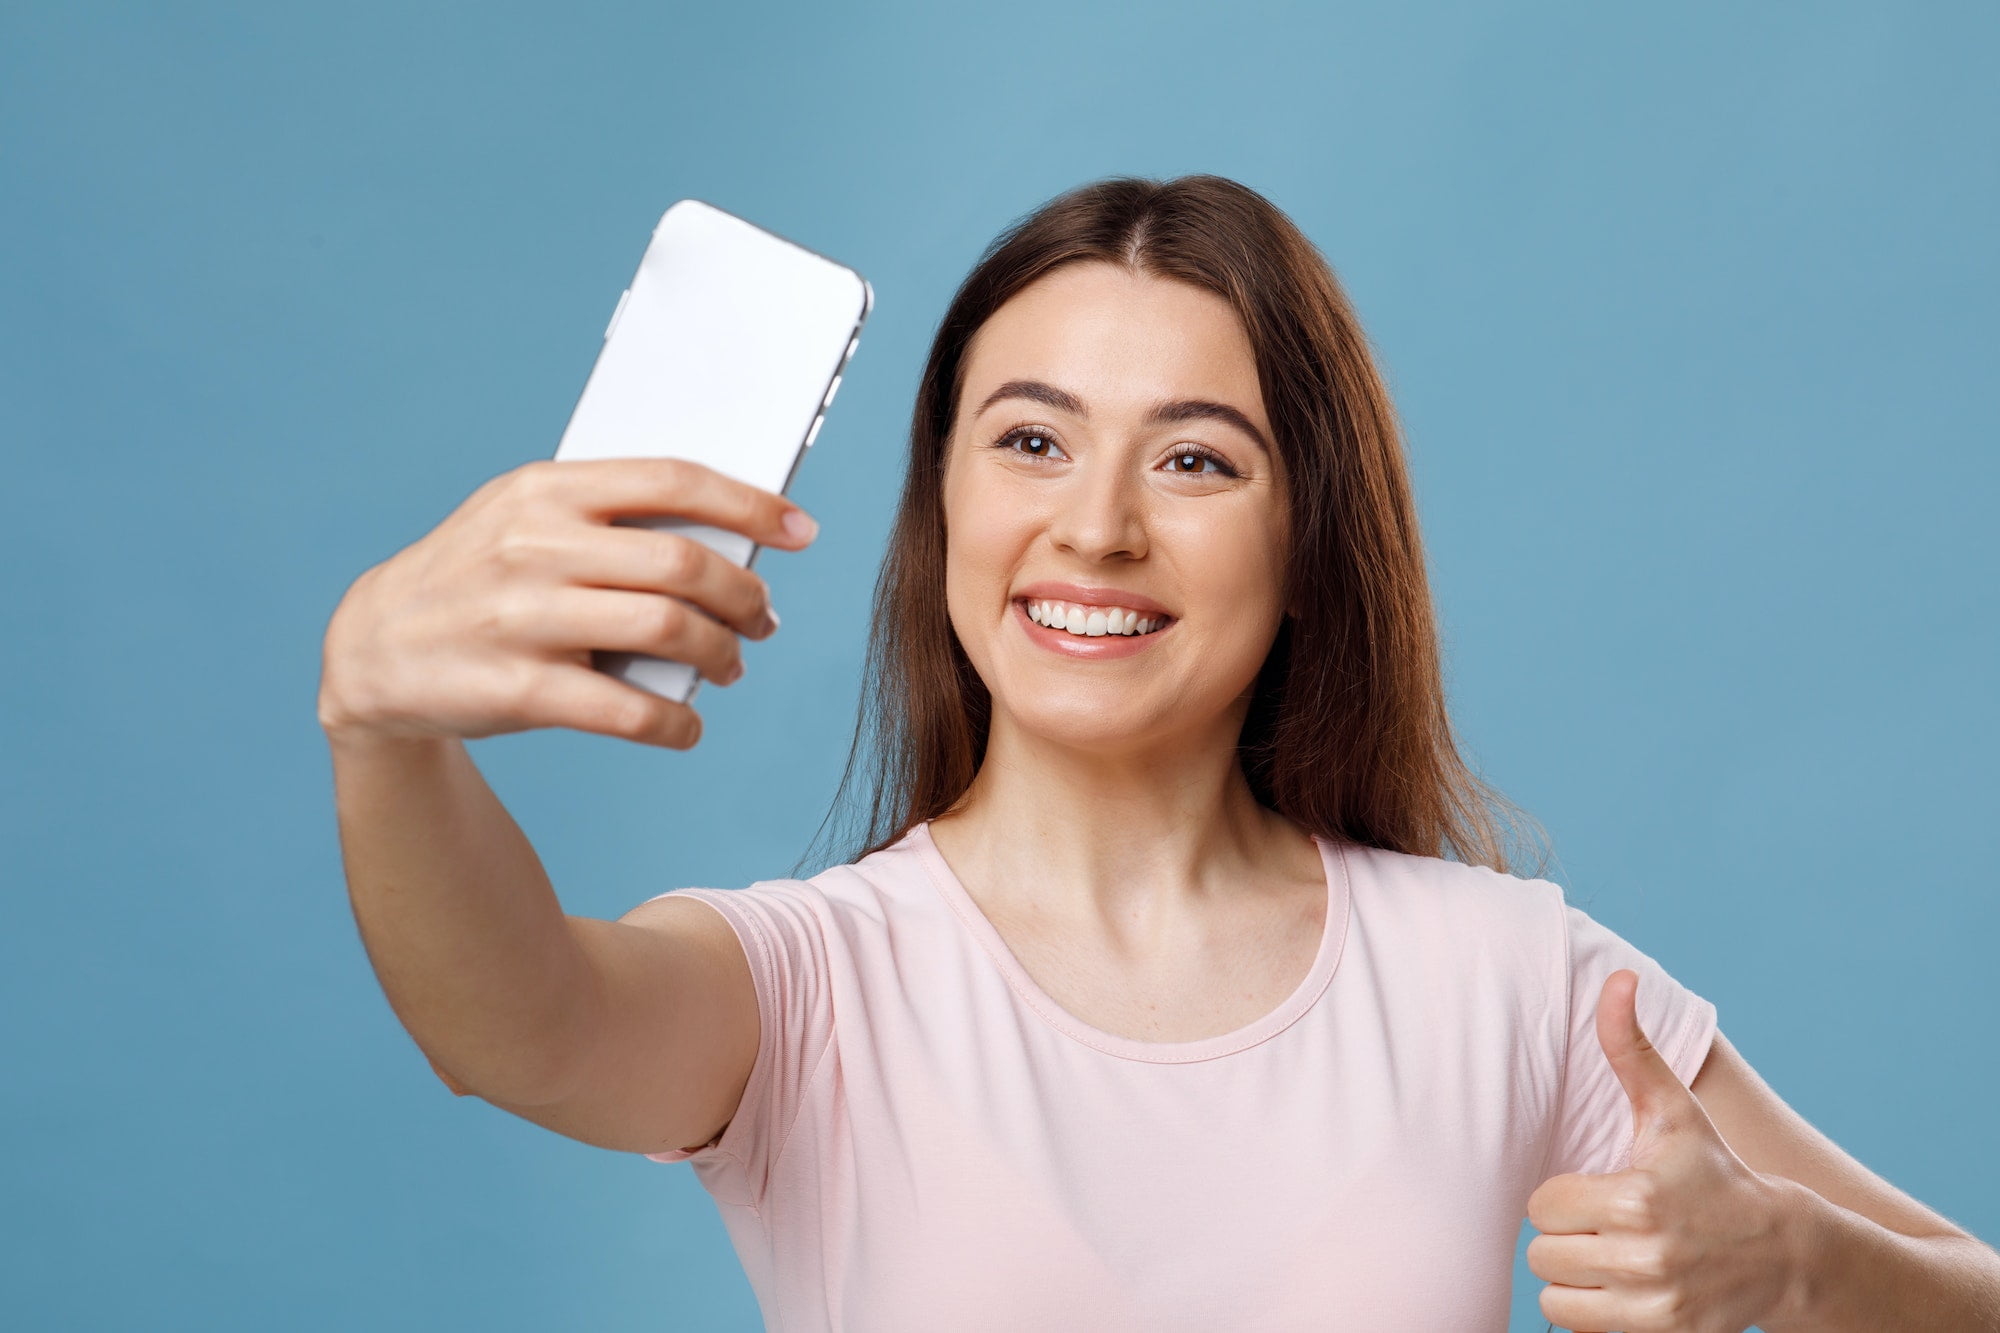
(726, 350)
(487, 624)
(630, 552)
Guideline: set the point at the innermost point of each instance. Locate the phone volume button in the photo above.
(813, 434)
(623, 297)
(831, 390)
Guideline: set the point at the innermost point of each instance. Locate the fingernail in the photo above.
(800, 525)
(770, 625)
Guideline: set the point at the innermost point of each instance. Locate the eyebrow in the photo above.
(1165, 413)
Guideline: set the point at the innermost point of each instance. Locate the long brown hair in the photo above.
(1347, 733)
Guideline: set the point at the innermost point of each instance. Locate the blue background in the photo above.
(1690, 312)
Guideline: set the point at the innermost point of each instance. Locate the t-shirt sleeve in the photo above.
(784, 939)
(1593, 1131)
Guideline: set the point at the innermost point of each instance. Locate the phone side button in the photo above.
(813, 434)
(831, 390)
(623, 297)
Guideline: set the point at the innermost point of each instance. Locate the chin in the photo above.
(1104, 742)
(1100, 718)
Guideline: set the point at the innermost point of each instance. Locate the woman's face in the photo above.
(1111, 453)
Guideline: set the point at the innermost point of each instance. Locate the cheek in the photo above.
(1233, 562)
(984, 531)
(985, 515)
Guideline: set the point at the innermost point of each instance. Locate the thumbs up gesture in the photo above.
(1687, 1238)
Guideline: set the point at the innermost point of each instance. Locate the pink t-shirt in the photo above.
(928, 1141)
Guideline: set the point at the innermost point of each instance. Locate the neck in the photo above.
(1109, 835)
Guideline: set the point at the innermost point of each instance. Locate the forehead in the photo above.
(1119, 339)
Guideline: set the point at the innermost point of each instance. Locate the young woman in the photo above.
(1151, 999)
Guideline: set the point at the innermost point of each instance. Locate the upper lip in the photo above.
(1086, 595)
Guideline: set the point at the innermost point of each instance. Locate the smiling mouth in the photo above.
(1085, 621)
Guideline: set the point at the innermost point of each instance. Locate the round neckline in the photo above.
(1333, 935)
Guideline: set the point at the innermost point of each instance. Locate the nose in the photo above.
(1100, 514)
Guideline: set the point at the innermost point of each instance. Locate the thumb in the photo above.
(1661, 1103)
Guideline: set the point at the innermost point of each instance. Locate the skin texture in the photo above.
(1110, 835)
(1105, 498)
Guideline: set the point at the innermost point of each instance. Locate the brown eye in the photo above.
(1032, 443)
(1197, 457)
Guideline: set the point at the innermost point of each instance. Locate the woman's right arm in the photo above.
(636, 1034)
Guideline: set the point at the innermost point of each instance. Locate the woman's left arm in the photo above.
(1868, 1256)
(1735, 1211)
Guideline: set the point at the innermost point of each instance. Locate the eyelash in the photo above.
(1191, 450)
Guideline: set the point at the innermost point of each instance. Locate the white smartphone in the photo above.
(726, 349)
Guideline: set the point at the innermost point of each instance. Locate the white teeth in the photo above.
(1091, 621)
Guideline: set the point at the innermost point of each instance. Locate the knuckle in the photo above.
(511, 612)
(1649, 1259)
(747, 611)
(676, 474)
(484, 618)
(1676, 1257)
(533, 477)
(679, 560)
(519, 688)
(632, 717)
(665, 620)
(732, 665)
(1637, 1204)
(518, 548)
(1663, 1309)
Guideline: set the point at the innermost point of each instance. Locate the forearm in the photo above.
(458, 917)
(1855, 1274)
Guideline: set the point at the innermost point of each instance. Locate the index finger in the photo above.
(621, 487)
(1581, 1202)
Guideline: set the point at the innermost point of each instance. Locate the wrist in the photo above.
(1800, 1219)
(350, 733)
(351, 725)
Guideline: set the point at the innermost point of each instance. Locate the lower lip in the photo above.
(1085, 645)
